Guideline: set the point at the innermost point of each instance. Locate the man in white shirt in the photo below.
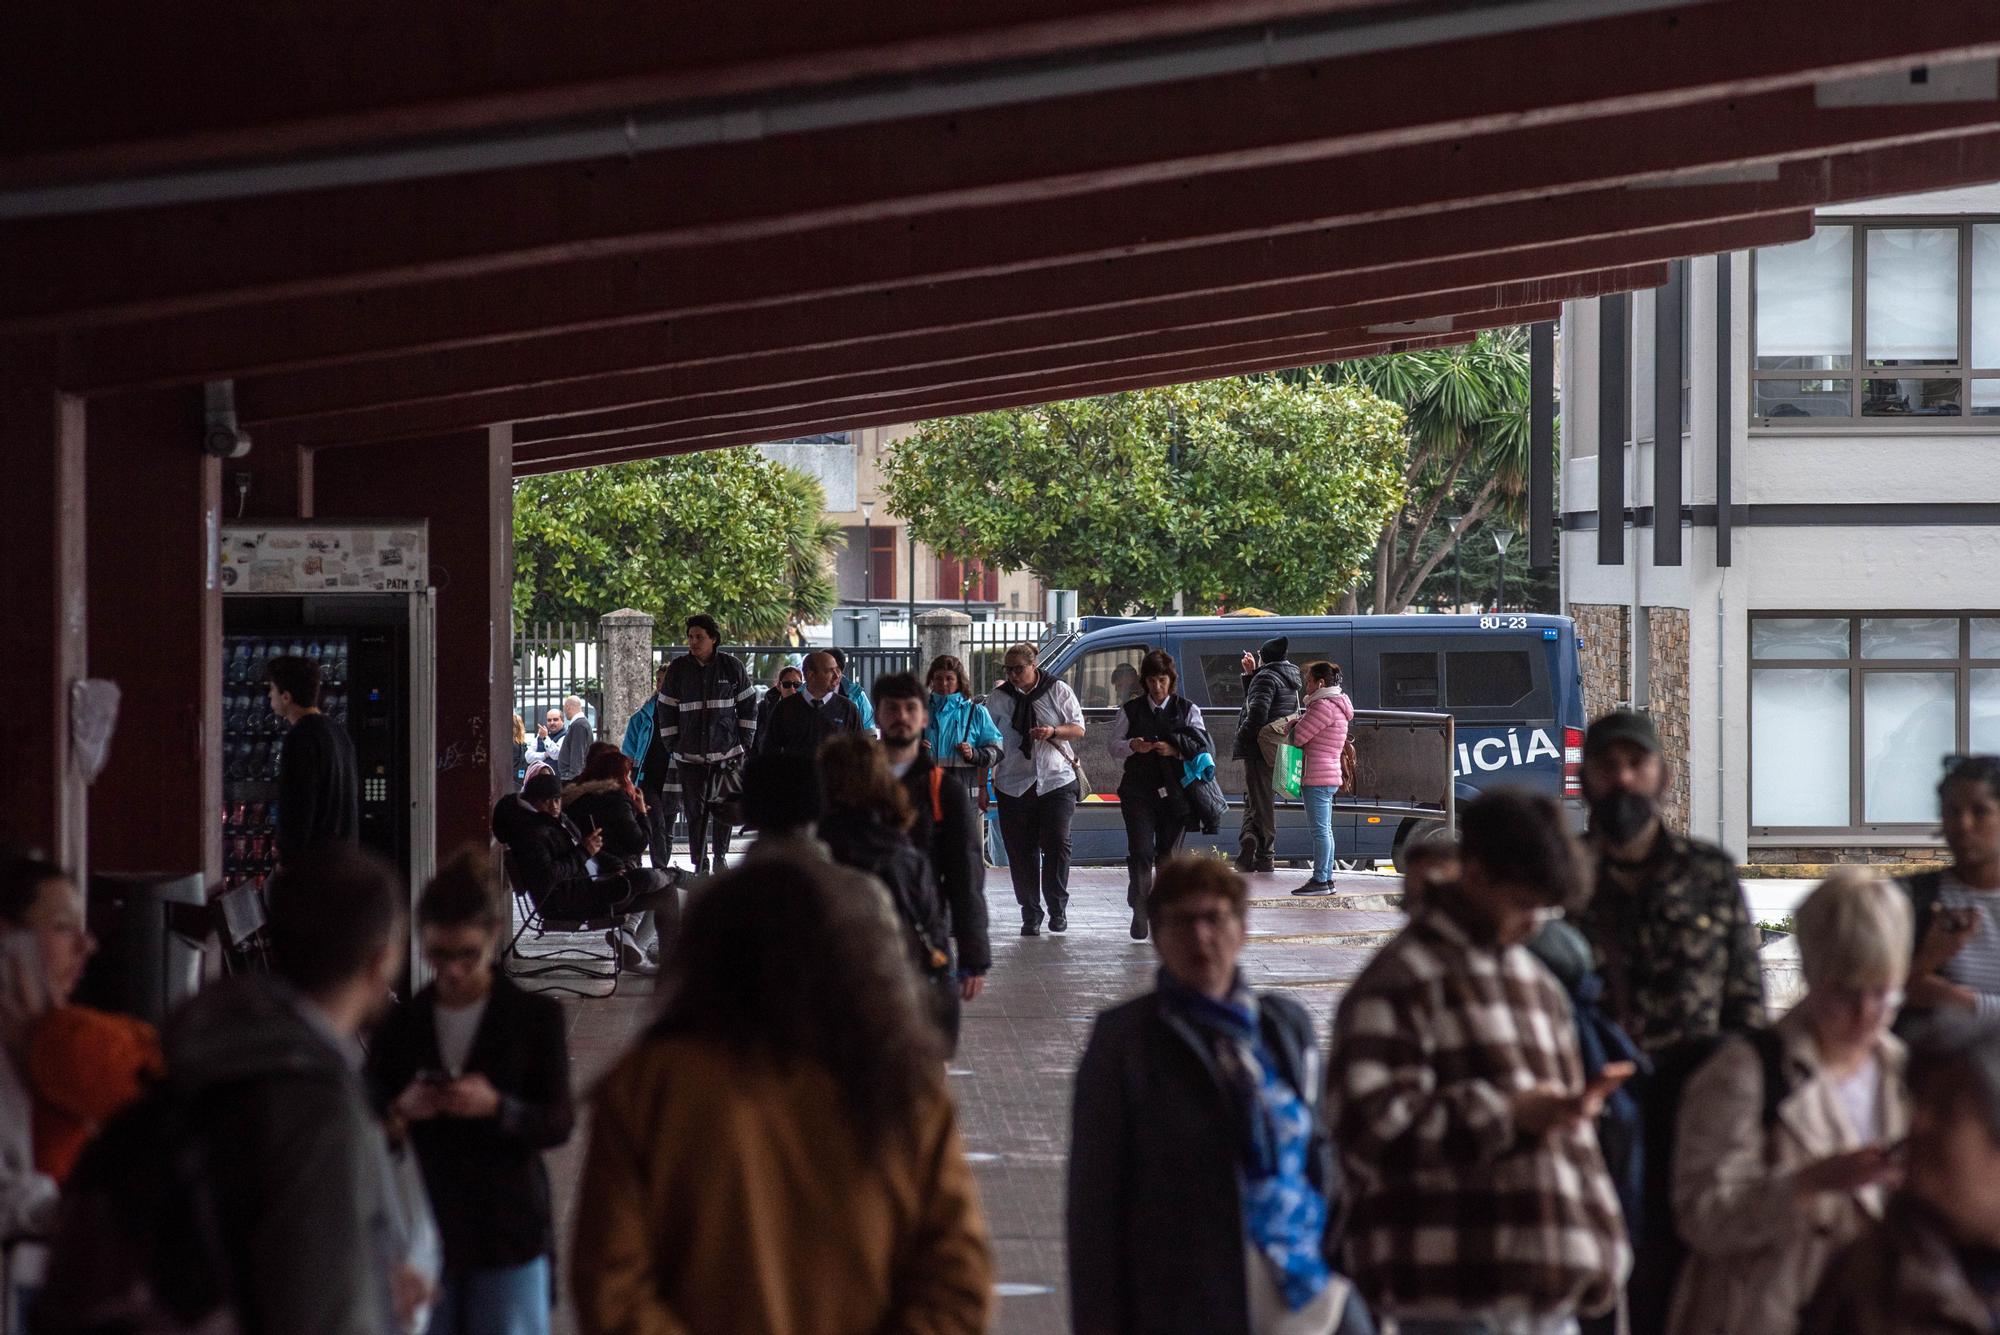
(1036, 780)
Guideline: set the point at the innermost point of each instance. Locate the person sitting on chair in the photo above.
(555, 862)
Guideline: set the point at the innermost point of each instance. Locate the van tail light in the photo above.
(1572, 762)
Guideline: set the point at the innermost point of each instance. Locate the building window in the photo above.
(1851, 717)
(1877, 320)
(966, 581)
(882, 564)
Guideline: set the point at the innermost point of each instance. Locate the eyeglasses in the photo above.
(1019, 669)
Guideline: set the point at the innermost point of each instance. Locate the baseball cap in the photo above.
(1621, 725)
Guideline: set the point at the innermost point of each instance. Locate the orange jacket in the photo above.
(84, 1065)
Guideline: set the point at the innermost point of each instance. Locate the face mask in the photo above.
(1621, 817)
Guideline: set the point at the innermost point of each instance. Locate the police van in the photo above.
(1511, 681)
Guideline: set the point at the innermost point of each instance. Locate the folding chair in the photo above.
(566, 961)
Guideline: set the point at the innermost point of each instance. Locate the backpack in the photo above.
(137, 1246)
(1658, 1251)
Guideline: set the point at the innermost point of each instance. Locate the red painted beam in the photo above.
(1101, 299)
(931, 400)
(1007, 240)
(116, 89)
(923, 409)
(1142, 357)
(890, 361)
(142, 264)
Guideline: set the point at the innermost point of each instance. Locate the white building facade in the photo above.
(1831, 630)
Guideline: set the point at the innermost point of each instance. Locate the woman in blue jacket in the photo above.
(962, 737)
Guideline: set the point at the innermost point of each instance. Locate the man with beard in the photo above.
(1677, 950)
(1673, 936)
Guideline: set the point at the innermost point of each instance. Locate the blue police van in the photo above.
(1511, 681)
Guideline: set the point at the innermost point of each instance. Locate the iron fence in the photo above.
(987, 642)
(762, 661)
(553, 659)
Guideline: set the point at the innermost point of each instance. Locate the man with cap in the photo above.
(1675, 945)
(1270, 691)
(1668, 923)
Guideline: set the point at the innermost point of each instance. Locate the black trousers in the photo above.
(1154, 828)
(707, 830)
(1260, 821)
(1035, 829)
(663, 807)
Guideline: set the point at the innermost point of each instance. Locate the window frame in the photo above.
(1859, 373)
(1961, 666)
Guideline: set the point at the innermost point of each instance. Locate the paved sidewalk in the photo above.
(1022, 1040)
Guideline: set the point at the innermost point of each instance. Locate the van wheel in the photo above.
(1413, 835)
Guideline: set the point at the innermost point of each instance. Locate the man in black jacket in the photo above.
(319, 785)
(947, 827)
(475, 1072)
(706, 720)
(806, 718)
(1270, 691)
(552, 858)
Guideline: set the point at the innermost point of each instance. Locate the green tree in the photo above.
(1247, 491)
(726, 532)
(1468, 460)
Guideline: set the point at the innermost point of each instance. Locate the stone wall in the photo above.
(1667, 678)
(1606, 668)
(1831, 855)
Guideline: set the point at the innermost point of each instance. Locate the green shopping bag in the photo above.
(1288, 775)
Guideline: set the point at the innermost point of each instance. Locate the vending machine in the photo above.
(356, 599)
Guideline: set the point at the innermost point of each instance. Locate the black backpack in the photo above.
(137, 1248)
(1658, 1254)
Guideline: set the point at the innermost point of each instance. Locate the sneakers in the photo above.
(1058, 920)
(1139, 926)
(631, 958)
(1315, 888)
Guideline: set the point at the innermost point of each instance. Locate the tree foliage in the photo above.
(726, 532)
(1468, 459)
(1241, 492)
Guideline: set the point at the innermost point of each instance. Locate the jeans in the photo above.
(1035, 828)
(1319, 815)
(509, 1301)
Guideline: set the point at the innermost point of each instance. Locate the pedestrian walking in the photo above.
(945, 825)
(855, 693)
(779, 1155)
(1927, 1268)
(806, 718)
(784, 682)
(577, 739)
(290, 1180)
(1156, 733)
(1201, 1182)
(1271, 686)
(474, 1074)
(1677, 950)
(783, 803)
(1037, 785)
(960, 734)
(1957, 909)
(319, 783)
(867, 827)
(1457, 1100)
(645, 744)
(708, 723)
(1787, 1141)
(1321, 733)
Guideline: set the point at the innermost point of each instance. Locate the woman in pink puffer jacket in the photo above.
(1321, 733)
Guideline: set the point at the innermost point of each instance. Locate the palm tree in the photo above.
(811, 540)
(1468, 422)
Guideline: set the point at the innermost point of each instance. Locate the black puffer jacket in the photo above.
(861, 841)
(1271, 692)
(603, 805)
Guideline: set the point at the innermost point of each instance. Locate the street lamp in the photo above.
(1502, 535)
(867, 551)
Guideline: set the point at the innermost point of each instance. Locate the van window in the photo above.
(1492, 678)
(1106, 678)
(1218, 666)
(1409, 681)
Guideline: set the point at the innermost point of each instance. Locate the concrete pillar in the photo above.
(941, 632)
(155, 625)
(626, 651)
(462, 484)
(42, 585)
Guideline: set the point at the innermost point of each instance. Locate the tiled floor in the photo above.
(1021, 1042)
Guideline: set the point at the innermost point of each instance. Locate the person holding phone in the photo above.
(1769, 1183)
(1462, 1113)
(1956, 963)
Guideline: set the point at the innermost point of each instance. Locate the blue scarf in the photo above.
(1284, 1214)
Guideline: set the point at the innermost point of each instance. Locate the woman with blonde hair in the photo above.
(1786, 1140)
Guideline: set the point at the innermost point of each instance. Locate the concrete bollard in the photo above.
(626, 654)
(940, 632)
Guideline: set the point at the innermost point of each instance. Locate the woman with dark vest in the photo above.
(1156, 733)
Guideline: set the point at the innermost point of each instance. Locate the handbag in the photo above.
(724, 792)
(1083, 788)
(1274, 735)
(1350, 765)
